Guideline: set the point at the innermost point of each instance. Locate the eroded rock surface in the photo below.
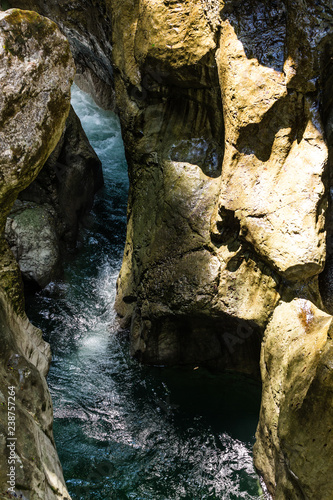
(86, 24)
(44, 223)
(294, 438)
(174, 273)
(30, 113)
(36, 74)
(226, 111)
(32, 236)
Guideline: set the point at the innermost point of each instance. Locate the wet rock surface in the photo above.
(186, 254)
(212, 249)
(87, 25)
(37, 71)
(33, 111)
(32, 236)
(43, 226)
(226, 111)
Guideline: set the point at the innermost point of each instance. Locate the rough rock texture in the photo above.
(69, 180)
(211, 290)
(44, 223)
(227, 113)
(226, 109)
(36, 75)
(30, 112)
(214, 295)
(86, 24)
(25, 359)
(294, 445)
(32, 236)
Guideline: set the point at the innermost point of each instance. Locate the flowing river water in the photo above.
(122, 430)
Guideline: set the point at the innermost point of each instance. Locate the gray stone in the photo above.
(36, 75)
(33, 239)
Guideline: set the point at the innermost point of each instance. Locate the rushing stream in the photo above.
(125, 431)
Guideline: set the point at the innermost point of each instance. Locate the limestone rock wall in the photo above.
(174, 273)
(44, 222)
(36, 74)
(226, 116)
(86, 24)
(226, 111)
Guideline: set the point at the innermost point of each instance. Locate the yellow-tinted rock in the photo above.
(221, 105)
(170, 98)
(294, 445)
(283, 219)
(209, 254)
(87, 28)
(36, 74)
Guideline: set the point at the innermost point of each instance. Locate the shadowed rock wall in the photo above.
(37, 71)
(43, 224)
(226, 111)
(223, 255)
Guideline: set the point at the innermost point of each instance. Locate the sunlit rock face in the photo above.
(43, 224)
(226, 116)
(36, 75)
(190, 296)
(227, 163)
(86, 24)
(294, 437)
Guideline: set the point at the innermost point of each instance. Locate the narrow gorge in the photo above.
(225, 111)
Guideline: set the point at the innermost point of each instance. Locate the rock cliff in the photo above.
(86, 24)
(36, 75)
(226, 111)
(44, 222)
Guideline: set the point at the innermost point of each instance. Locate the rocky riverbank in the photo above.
(226, 113)
(37, 71)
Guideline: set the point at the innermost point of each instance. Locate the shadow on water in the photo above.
(125, 431)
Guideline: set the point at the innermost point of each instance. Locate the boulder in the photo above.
(87, 26)
(294, 445)
(34, 101)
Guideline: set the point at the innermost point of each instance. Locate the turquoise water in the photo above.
(125, 431)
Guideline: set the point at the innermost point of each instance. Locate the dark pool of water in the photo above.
(125, 431)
